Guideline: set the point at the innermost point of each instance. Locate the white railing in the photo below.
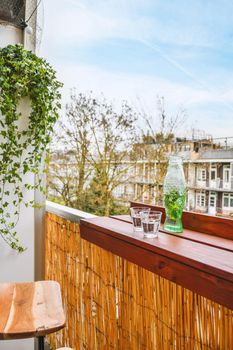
(70, 214)
(218, 184)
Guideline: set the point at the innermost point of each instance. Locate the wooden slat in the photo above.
(116, 304)
(201, 268)
(209, 259)
(30, 309)
(212, 225)
(191, 235)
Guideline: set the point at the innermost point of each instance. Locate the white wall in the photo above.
(10, 35)
(13, 266)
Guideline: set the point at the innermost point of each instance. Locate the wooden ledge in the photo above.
(204, 223)
(201, 267)
(203, 238)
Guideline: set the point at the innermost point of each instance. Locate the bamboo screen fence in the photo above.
(114, 304)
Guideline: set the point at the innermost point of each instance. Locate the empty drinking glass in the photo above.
(151, 223)
(137, 213)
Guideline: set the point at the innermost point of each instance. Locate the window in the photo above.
(212, 199)
(151, 191)
(200, 199)
(201, 174)
(226, 173)
(213, 174)
(228, 200)
(186, 148)
(225, 201)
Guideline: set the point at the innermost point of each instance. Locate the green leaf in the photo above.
(23, 74)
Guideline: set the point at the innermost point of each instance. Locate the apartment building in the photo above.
(208, 170)
(139, 182)
(210, 182)
(149, 167)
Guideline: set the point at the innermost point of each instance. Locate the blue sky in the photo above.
(182, 50)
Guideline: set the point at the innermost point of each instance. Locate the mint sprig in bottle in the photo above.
(174, 193)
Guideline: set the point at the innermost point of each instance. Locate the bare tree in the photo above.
(113, 136)
(161, 129)
(100, 137)
(62, 180)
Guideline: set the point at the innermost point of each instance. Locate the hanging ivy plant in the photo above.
(23, 74)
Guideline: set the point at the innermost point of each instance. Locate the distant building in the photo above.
(210, 182)
(149, 167)
(208, 170)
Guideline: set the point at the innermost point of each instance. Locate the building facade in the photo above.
(208, 171)
(210, 183)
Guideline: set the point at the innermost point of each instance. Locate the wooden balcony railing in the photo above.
(112, 303)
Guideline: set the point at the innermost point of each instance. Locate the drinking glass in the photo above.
(137, 213)
(151, 223)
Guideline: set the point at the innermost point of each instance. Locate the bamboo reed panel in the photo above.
(111, 303)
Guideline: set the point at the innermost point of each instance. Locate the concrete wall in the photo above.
(14, 266)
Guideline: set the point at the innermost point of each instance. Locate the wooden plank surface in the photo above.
(191, 235)
(30, 309)
(117, 304)
(202, 268)
(212, 225)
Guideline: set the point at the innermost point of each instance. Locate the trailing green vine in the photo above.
(23, 74)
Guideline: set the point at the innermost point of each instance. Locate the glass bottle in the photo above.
(174, 193)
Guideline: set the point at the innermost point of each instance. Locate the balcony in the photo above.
(123, 292)
(140, 179)
(214, 211)
(116, 297)
(212, 185)
(202, 210)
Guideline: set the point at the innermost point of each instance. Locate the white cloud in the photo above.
(130, 86)
(86, 22)
(75, 24)
(83, 25)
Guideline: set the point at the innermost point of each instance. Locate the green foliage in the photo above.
(174, 203)
(100, 202)
(23, 74)
(160, 137)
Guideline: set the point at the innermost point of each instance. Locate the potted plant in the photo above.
(23, 75)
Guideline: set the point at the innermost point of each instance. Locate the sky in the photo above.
(141, 49)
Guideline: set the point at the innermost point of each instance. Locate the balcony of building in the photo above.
(212, 185)
(125, 292)
(142, 179)
(122, 291)
(214, 211)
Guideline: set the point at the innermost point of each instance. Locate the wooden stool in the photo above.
(30, 310)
